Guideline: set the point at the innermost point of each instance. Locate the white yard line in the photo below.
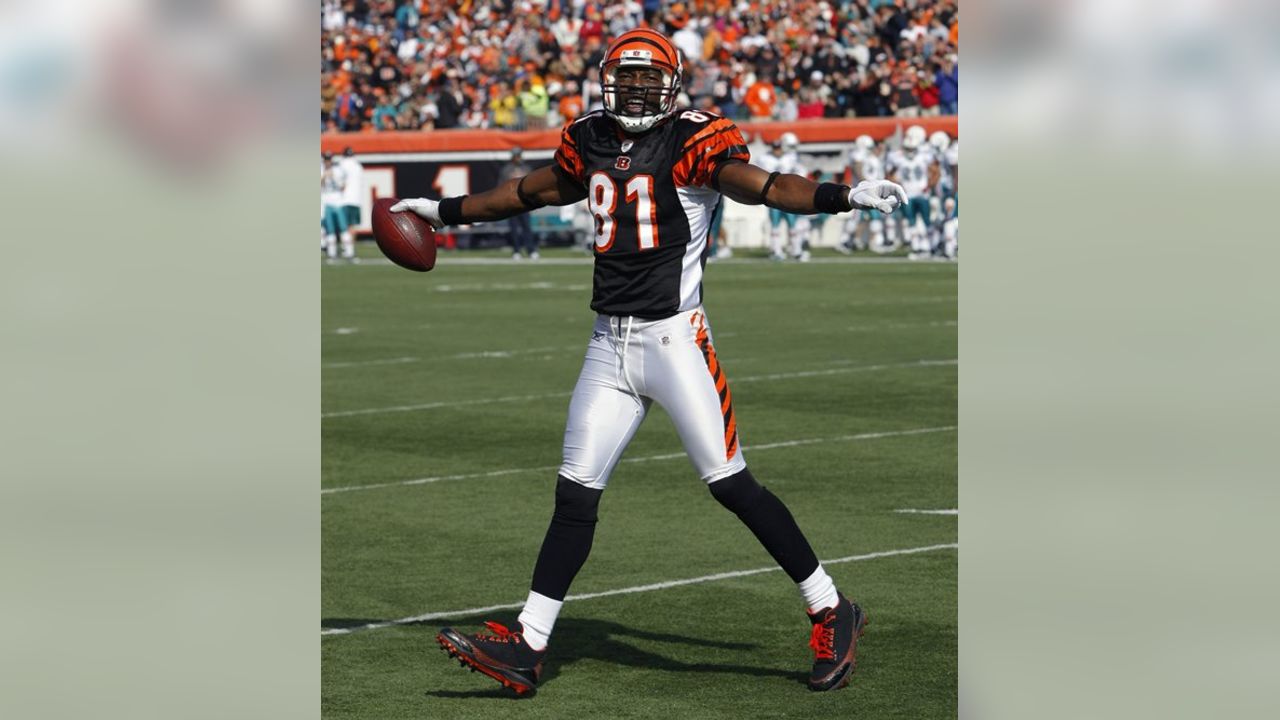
(913, 511)
(649, 458)
(732, 380)
(432, 406)
(359, 363)
(631, 590)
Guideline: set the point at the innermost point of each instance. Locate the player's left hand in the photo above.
(879, 195)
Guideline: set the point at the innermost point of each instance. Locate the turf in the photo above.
(494, 350)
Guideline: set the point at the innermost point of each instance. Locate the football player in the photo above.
(865, 163)
(333, 182)
(653, 174)
(913, 166)
(781, 161)
(352, 196)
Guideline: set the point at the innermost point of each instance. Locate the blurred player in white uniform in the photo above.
(913, 167)
(865, 162)
(782, 158)
(950, 229)
(352, 195)
(332, 183)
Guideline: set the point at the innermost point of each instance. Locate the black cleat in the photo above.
(503, 656)
(834, 641)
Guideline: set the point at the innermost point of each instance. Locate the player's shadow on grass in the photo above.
(589, 639)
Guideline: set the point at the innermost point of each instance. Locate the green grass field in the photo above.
(461, 378)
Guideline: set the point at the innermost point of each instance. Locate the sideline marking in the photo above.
(913, 511)
(649, 458)
(630, 590)
(745, 379)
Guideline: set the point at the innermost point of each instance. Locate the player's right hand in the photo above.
(428, 210)
(881, 195)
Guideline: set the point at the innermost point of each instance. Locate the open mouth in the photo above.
(634, 106)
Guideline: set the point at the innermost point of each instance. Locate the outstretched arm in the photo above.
(544, 186)
(751, 185)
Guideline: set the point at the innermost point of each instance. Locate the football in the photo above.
(406, 239)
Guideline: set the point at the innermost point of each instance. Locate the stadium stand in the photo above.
(531, 64)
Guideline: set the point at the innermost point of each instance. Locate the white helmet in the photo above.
(940, 141)
(789, 141)
(865, 143)
(914, 138)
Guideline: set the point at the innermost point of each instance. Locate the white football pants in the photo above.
(630, 364)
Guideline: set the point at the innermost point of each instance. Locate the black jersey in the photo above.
(652, 202)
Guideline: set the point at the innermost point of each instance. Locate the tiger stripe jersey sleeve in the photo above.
(568, 158)
(714, 143)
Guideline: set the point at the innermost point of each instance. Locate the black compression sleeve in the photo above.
(831, 198)
(451, 210)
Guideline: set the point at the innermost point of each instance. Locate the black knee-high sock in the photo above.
(769, 520)
(568, 540)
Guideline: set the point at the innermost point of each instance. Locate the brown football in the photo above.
(406, 239)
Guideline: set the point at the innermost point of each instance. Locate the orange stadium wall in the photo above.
(454, 162)
(435, 141)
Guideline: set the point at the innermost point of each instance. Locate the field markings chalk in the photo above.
(452, 403)
(648, 458)
(359, 363)
(914, 511)
(732, 380)
(631, 590)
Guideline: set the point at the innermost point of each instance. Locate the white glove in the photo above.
(428, 210)
(879, 195)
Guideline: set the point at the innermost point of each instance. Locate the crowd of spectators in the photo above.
(529, 64)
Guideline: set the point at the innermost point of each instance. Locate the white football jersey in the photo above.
(872, 168)
(912, 170)
(332, 182)
(787, 163)
(353, 193)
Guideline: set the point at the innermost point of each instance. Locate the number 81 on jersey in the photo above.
(602, 200)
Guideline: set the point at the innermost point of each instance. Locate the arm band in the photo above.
(451, 211)
(529, 201)
(715, 174)
(831, 198)
(764, 192)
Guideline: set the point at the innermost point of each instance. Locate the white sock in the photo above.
(331, 246)
(819, 591)
(538, 618)
(348, 245)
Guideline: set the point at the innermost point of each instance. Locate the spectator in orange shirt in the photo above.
(760, 99)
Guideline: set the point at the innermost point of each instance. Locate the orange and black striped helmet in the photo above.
(639, 104)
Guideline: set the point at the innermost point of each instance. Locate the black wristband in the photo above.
(529, 202)
(764, 192)
(831, 198)
(451, 210)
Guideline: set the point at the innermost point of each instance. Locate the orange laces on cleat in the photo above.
(503, 634)
(823, 639)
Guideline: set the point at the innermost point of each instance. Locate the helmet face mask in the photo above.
(639, 85)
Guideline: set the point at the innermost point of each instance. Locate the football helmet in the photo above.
(913, 138)
(865, 143)
(637, 103)
(940, 141)
(789, 141)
